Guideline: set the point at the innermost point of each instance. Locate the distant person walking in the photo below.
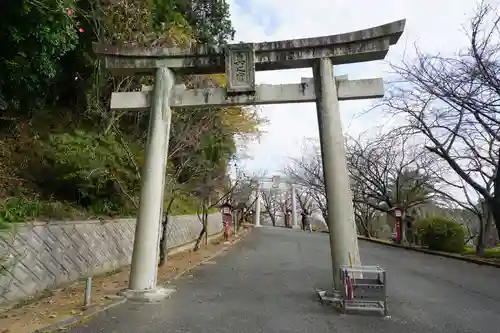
(306, 221)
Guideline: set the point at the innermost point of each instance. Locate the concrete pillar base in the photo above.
(257, 225)
(147, 296)
(296, 227)
(329, 296)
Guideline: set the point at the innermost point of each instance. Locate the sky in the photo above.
(436, 26)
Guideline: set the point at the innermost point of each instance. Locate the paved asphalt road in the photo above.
(266, 284)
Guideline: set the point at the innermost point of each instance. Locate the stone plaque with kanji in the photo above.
(240, 68)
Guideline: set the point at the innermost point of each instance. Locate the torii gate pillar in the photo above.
(143, 270)
(257, 205)
(341, 225)
(293, 193)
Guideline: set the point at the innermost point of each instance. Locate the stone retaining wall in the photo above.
(41, 256)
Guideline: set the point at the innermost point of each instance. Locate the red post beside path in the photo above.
(226, 218)
(398, 230)
(228, 221)
(398, 214)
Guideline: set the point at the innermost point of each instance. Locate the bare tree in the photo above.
(464, 203)
(237, 193)
(387, 171)
(453, 105)
(271, 205)
(364, 216)
(243, 197)
(205, 193)
(304, 197)
(285, 206)
(307, 173)
(183, 143)
(383, 169)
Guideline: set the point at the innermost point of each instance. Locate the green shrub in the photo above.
(34, 35)
(92, 170)
(186, 204)
(441, 234)
(183, 205)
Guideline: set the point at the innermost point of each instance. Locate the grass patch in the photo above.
(493, 253)
(16, 210)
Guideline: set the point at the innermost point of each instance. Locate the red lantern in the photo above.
(226, 210)
(397, 215)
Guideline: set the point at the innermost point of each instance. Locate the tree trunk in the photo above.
(164, 236)
(234, 220)
(365, 229)
(163, 242)
(494, 207)
(200, 237)
(237, 223)
(488, 226)
(241, 220)
(480, 238)
(324, 212)
(403, 228)
(203, 231)
(273, 219)
(205, 226)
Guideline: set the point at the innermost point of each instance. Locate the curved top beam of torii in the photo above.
(358, 46)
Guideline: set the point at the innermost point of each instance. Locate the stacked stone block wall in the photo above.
(40, 256)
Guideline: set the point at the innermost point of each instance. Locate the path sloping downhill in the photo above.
(266, 284)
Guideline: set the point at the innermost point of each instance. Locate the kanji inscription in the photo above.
(240, 68)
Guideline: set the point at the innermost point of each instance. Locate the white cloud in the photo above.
(435, 25)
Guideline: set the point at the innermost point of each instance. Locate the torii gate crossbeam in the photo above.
(239, 62)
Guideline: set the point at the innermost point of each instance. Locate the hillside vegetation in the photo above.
(63, 153)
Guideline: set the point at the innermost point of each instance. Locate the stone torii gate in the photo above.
(239, 62)
(276, 180)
